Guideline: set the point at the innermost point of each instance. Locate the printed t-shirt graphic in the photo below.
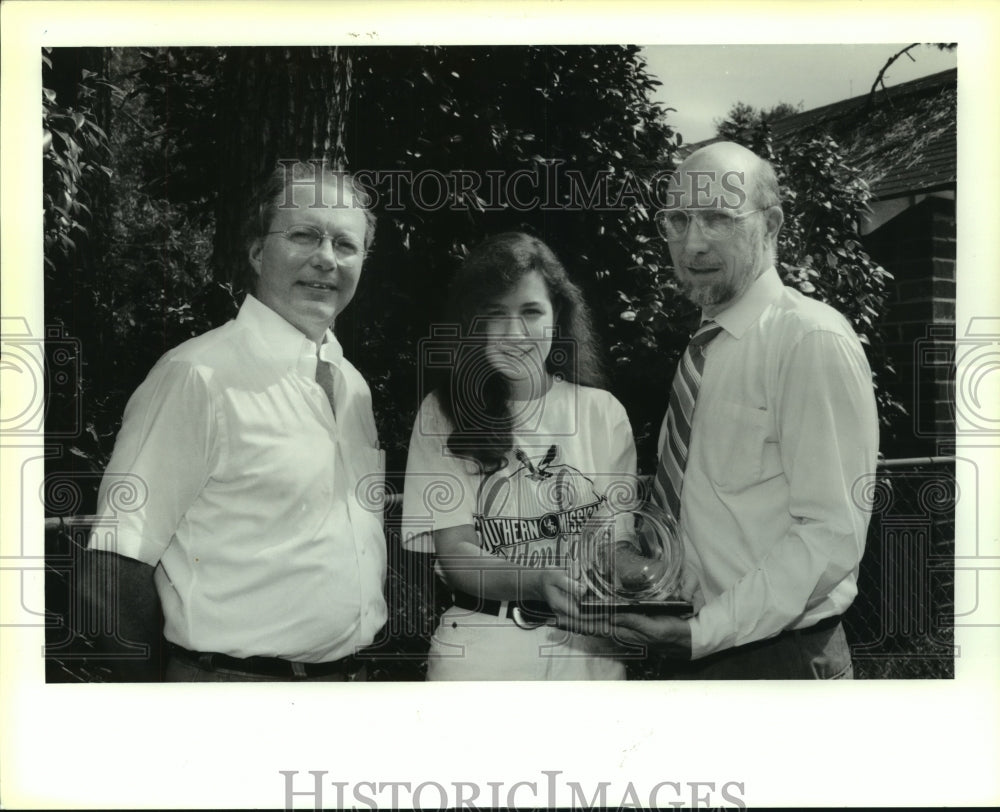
(533, 515)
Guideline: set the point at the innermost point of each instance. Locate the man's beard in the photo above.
(724, 291)
(717, 293)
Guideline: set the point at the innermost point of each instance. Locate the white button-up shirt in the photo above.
(262, 508)
(784, 436)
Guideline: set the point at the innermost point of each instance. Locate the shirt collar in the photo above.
(330, 350)
(738, 317)
(283, 342)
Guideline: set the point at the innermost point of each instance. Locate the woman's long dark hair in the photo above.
(473, 395)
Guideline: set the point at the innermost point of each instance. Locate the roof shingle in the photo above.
(903, 138)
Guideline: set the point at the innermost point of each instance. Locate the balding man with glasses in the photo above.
(255, 449)
(771, 423)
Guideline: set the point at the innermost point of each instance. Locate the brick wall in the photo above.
(918, 248)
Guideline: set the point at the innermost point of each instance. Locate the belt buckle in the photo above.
(523, 622)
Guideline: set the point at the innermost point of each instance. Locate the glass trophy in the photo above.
(631, 561)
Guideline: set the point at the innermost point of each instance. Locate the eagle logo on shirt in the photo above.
(534, 515)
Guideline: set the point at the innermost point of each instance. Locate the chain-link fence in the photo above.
(900, 626)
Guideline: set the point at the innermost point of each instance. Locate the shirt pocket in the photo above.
(738, 444)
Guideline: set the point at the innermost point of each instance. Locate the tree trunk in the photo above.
(275, 102)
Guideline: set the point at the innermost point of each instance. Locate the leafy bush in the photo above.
(127, 272)
(819, 252)
(539, 111)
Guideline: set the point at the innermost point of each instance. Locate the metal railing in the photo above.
(899, 626)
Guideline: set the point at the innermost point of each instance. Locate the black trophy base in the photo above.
(671, 606)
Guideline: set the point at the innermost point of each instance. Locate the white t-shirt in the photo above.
(573, 455)
(573, 452)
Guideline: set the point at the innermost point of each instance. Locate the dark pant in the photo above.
(181, 668)
(817, 653)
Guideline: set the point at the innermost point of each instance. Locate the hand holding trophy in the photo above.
(631, 561)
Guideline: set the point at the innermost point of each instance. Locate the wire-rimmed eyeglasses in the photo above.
(306, 239)
(715, 224)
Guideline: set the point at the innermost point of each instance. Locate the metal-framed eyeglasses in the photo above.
(306, 239)
(715, 224)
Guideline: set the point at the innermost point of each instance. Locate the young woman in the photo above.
(509, 458)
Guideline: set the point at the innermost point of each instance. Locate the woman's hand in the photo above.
(562, 593)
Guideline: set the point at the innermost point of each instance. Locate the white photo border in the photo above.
(788, 744)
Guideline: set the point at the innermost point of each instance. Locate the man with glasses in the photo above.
(771, 426)
(255, 453)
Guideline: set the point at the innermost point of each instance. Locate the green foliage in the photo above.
(179, 91)
(546, 111)
(126, 269)
(819, 252)
(744, 118)
(76, 167)
(74, 159)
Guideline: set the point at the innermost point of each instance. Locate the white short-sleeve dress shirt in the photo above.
(259, 507)
(785, 432)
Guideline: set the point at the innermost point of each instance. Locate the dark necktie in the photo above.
(680, 412)
(324, 377)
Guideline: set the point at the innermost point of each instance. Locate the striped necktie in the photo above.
(683, 395)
